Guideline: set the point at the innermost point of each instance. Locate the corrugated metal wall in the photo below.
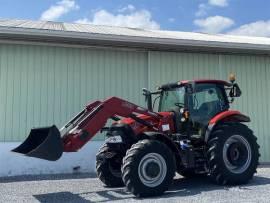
(253, 73)
(42, 85)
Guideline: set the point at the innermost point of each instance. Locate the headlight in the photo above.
(114, 139)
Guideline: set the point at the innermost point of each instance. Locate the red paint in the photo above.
(139, 128)
(225, 115)
(97, 113)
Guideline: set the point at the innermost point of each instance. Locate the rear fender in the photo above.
(226, 116)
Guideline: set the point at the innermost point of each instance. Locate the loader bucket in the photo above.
(43, 143)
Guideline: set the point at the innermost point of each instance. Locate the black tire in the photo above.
(136, 157)
(232, 167)
(110, 176)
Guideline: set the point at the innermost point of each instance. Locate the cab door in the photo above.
(206, 101)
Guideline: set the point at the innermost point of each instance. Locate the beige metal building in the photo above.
(50, 70)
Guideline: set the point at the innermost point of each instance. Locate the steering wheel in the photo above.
(179, 104)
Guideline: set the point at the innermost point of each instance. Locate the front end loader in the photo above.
(193, 133)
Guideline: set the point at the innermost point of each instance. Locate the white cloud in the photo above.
(258, 28)
(59, 9)
(83, 21)
(202, 10)
(133, 18)
(219, 3)
(214, 24)
(204, 7)
(127, 8)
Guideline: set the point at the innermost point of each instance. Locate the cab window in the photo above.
(207, 101)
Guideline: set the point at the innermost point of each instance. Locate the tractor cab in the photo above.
(196, 101)
(203, 100)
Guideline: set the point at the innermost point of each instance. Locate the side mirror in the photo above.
(146, 92)
(148, 98)
(235, 91)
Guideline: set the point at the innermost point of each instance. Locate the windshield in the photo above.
(172, 98)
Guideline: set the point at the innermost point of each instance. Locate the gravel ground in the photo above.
(87, 188)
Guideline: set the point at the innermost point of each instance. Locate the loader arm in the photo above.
(49, 143)
(94, 118)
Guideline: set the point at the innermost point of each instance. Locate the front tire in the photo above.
(148, 168)
(109, 169)
(233, 154)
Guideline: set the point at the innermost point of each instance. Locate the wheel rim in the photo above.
(152, 169)
(237, 154)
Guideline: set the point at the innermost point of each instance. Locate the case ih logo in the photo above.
(128, 105)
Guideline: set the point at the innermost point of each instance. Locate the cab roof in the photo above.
(197, 81)
(221, 82)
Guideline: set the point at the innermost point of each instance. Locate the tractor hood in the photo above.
(167, 119)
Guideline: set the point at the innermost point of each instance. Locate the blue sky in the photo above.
(242, 17)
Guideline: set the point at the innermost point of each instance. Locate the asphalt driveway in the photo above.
(87, 188)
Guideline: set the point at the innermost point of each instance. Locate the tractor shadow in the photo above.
(181, 187)
(26, 178)
(188, 187)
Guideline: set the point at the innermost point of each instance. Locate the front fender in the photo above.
(166, 140)
(226, 116)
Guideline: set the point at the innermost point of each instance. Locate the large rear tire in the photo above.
(109, 169)
(148, 168)
(233, 154)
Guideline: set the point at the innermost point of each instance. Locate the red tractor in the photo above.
(193, 133)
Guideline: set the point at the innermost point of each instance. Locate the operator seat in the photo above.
(205, 112)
